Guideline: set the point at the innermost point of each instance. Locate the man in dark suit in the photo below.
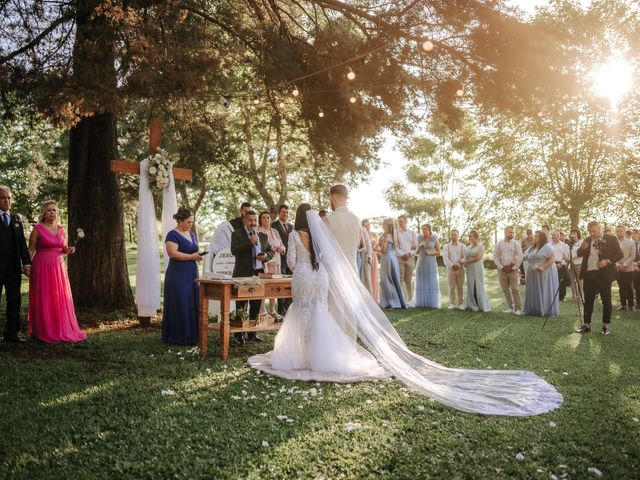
(284, 228)
(14, 260)
(237, 222)
(252, 250)
(599, 253)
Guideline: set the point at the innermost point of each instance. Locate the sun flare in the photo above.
(612, 79)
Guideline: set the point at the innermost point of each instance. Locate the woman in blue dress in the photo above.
(542, 279)
(477, 298)
(391, 295)
(181, 295)
(427, 281)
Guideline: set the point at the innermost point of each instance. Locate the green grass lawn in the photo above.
(123, 405)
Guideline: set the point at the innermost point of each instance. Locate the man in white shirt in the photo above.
(407, 248)
(561, 258)
(453, 255)
(344, 225)
(508, 256)
(624, 268)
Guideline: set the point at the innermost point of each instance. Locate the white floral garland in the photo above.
(160, 166)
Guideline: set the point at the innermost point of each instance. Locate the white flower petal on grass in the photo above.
(208, 370)
(565, 373)
(235, 397)
(553, 477)
(168, 392)
(594, 471)
(368, 402)
(313, 392)
(265, 444)
(635, 419)
(281, 417)
(520, 457)
(289, 420)
(552, 424)
(351, 426)
(263, 414)
(420, 408)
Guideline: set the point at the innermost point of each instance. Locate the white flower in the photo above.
(235, 397)
(168, 392)
(420, 408)
(282, 417)
(80, 233)
(265, 444)
(263, 414)
(520, 457)
(153, 170)
(552, 424)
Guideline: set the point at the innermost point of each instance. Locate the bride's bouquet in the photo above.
(160, 165)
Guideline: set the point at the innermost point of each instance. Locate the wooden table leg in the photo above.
(224, 322)
(204, 321)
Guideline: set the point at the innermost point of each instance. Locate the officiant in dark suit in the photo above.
(284, 228)
(14, 260)
(251, 249)
(599, 253)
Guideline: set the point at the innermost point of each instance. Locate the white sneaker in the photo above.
(451, 306)
(509, 310)
(517, 312)
(461, 307)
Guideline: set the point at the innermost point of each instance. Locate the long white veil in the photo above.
(494, 392)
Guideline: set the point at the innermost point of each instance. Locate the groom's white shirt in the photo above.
(345, 226)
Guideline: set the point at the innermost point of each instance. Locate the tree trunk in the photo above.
(98, 271)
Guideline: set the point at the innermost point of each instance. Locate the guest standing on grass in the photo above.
(599, 253)
(284, 228)
(407, 248)
(427, 281)
(375, 251)
(453, 257)
(477, 298)
(624, 268)
(507, 256)
(541, 292)
(52, 317)
(14, 261)
(181, 295)
(391, 295)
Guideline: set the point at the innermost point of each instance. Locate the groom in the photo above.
(344, 225)
(14, 260)
(252, 250)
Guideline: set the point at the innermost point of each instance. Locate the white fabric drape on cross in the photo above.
(169, 209)
(148, 256)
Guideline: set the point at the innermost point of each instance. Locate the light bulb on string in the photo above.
(320, 112)
(256, 99)
(295, 91)
(351, 75)
(460, 92)
(353, 99)
(427, 45)
(281, 104)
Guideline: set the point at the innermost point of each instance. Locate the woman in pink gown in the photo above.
(375, 283)
(52, 318)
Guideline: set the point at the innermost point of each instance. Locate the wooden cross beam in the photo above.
(155, 135)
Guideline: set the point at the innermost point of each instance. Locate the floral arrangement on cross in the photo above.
(160, 165)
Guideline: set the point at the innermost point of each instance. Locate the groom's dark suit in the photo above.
(13, 256)
(243, 250)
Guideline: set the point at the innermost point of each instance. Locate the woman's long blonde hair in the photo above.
(44, 209)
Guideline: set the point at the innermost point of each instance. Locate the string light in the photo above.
(353, 99)
(281, 104)
(460, 92)
(320, 112)
(351, 75)
(427, 45)
(295, 92)
(256, 99)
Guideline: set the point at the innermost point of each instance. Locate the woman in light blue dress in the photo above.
(542, 279)
(427, 281)
(477, 298)
(391, 295)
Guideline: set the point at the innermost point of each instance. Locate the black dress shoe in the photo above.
(14, 339)
(252, 337)
(238, 340)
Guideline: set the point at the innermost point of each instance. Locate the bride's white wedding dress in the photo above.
(312, 346)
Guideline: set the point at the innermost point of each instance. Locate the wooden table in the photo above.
(223, 291)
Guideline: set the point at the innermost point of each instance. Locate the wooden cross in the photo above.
(155, 135)
(124, 166)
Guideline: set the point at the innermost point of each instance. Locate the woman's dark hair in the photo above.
(302, 225)
(260, 216)
(542, 239)
(182, 214)
(577, 230)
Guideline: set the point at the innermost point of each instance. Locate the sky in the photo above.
(367, 200)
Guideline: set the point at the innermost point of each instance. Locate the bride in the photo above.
(312, 345)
